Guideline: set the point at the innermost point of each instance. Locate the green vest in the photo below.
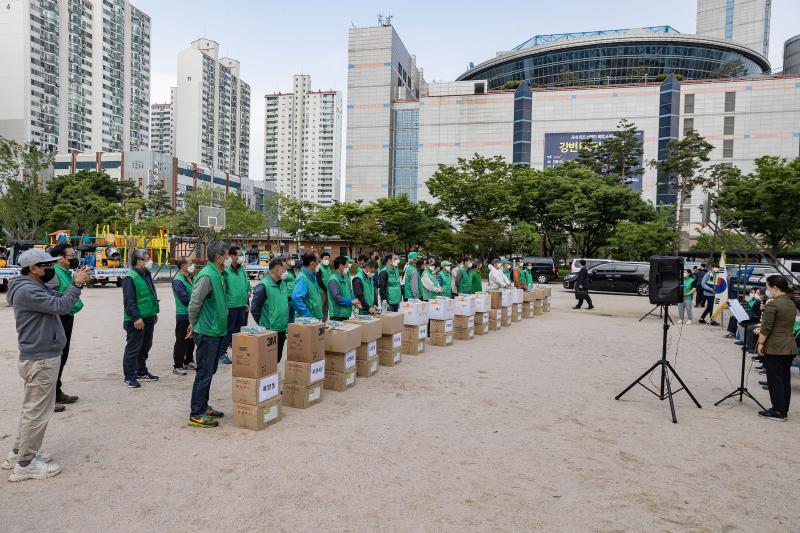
(426, 294)
(325, 271)
(528, 277)
(447, 286)
(393, 291)
(290, 279)
(335, 309)
(313, 299)
(180, 308)
(146, 300)
(465, 283)
(507, 275)
(213, 318)
(477, 282)
(238, 287)
(369, 291)
(407, 283)
(275, 313)
(64, 281)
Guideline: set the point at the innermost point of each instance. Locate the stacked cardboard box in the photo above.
(538, 304)
(341, 343)
(528, 304)
(517, 296)
(415, 312)
(464, 327)
(390, 343)
(548, 292)
(502, 300)
(305, 364)
(414, 339)
(255, 380)
(495, 319)
(441, 332)
(482, 323)
(367, 353)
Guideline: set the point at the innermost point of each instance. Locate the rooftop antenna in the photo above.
(384, 20)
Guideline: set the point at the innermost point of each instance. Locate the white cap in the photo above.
(34, 256)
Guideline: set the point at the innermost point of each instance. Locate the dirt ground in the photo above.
(516, 431)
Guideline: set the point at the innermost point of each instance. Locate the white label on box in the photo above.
(350, 379)
(317, 371)
(420, 346)
(448, 339)
(448, 326)
(486, 328)
(313, 394)
(497, 316)
(507, 311)
(271, 414)
(373, 366)
(350, 360)
(372, 349)
(471, 321)
(267, 388)
(397, 357)
(397, 340)
(423, 331)
(471, 333)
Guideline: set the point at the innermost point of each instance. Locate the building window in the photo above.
(688, 125)
(727, 148)
(730, 102)
(728, 127)
(688, 103)
(729, 19)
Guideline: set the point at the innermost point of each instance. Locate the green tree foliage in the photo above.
(23, 204)
(405, 223)
(726, 240)
(187, 220)
(524, 239)
(87, 199)
(637, 241)
(159, 202)
(619, 156)
(240, 220)
(513, 84)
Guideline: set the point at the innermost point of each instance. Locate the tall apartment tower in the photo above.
(76, 74)
(302, 142)
(380, 73)
(212, 110)
(162, 128)
(743, 21)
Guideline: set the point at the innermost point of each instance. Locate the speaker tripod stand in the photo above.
(666, 370)
(741, 390)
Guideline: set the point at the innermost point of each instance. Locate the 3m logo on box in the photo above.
(268, 388)
(350, 360)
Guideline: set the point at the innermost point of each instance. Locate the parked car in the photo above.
(544, 268)
(590, 263)
(616, 276)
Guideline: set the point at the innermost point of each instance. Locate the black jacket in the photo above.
(582, 281)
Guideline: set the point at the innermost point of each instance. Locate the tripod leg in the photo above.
(747, 392)
(671, 402)
(684, 386)
(731, 395)
(640, 378)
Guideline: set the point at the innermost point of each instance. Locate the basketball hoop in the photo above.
(211, 217)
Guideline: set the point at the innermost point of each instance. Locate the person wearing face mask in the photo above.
(430, 285)
(305, 297)
(364, 289)
(237, 294)
(685, 307)
(527, 273)
(462, 279)
(323, 276)
(707, 284)
(140, 303)
(269, 304)
(183, 349)
(37, 312)
(340, 297)
(411, 283)
(291, 277)
(389, 282)
(445, 280)
(507, 272)
(497, 280)
(475, 274)
(208, 325)
(66, 261)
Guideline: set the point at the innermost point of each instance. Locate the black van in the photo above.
(618, 276)
(544, 269)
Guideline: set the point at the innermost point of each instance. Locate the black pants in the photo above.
(733, 325)
(281, 344)
(237, 319)
(183, 351)
(291, 311)
(778, 380)
(208, 350)
(67, 321)
(584, 296)
(709, 310)
(137, 347)
(393, 307)
(339, 318)
(700, 298)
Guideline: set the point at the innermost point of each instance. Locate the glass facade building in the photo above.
(405, 139)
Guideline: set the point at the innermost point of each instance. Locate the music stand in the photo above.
(741, 390)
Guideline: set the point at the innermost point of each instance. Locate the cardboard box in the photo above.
(440, 326)
(482, 329)
(501, 298)
(413, 347)
(255, 391)
(390, 358)
(392, 322)
(366, 368)
(415, 333)
(390, 342)
(305, 342)
(254, 356)
(507, 319)
(538, 306)
(340, 362)
(300, 373)
(548, 292)
(528, 296)
(367, 350)
(371, 327)
(546, 306)
(483, 302)
(539, 293)
(464, 334)
(441, 309)
(516, 312)
(441, 339)
(343, 338)
(301, 396)
(481, 318)
(465, 305)
(415, 312)
(257, 417)
(527, 309)
(464, 322)
(340, 381)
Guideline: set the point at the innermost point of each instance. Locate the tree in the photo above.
(636, 241)
(159, 202)
(23, 204)
(619, 156)
(725, 240)
(510, 85)
(524, 239)
(240, 220)
(84, 200)
(765, 201)
(405, 223)
(187, 221)
(731, 69)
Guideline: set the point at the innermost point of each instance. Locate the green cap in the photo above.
(446, 263)
(413, 255)
(349, 259)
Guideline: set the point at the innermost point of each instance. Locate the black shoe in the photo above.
(147, 376)
(576, 307)
(772, 414)
(764, 387)
(702, 321)
(59, 408)
(133, 383)
(592, 307)
(65, 398)
(739, 343)
(763, 383)
(714, 323)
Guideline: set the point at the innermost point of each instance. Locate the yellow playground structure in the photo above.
(113, 248)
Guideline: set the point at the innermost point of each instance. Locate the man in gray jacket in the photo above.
(41, 337)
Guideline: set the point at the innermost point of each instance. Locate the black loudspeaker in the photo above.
(666, 280)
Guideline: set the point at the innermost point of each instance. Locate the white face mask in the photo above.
(190, 269)
(447, 269)
(370, 274)
(149, 264)
(431, 267)
(769, 293)
(228, 262)
(396, 262)
(468, 265)
(348, 266)
(326, 262)
(284, 274)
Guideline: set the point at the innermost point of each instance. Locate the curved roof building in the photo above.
(614, 57)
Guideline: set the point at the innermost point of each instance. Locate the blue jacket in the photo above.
(708, 290)
(299, 293)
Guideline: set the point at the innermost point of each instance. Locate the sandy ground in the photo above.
(515, 431)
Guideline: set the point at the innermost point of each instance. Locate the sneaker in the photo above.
(679, 321)
(11, 459)
(36, 470)
(772, 414)
(133, 383)
(190, 366)
(147, 376)
(225, 359)
(180, 371)
(65, 398)
(59, 408)
(576, 307)
(714, 323)
(739, 343)
(688, 322)
(729, 335)
(702, 321)
(213, 413)
(592, 307)
(202, 421)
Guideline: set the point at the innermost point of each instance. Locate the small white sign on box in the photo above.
(268, 388)
(373, 366)
(351, 378)
(506, 298)
(423, 332)
(271, 414)
(396, 357)
(448, 326)
(317, 371)
(441, 309)
(465, 305)
(483, 302)
(517, 296)
(397, 340)
(314, 393)
(350, 360)
(415, 312)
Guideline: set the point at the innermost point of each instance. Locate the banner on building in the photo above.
(559, 147)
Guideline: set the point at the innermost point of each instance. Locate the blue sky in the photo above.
(275, 40)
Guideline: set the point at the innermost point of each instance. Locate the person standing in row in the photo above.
(411, 281)
(340, 297)
(323, 275)
(237, 296)
(445, 280)
(208, 325)
(183, 349)
(497, 280)
(708, 285)
(527, 274)
(698, 274)
(40, 333)
(306, 299)
(269, 305)
(582, 286)
(389, 282)
(430, 285)
(66, 262)
(140, 303)
(364, 289)
(463, 278)
(685, 307)
(475, 275)
(291, 278)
